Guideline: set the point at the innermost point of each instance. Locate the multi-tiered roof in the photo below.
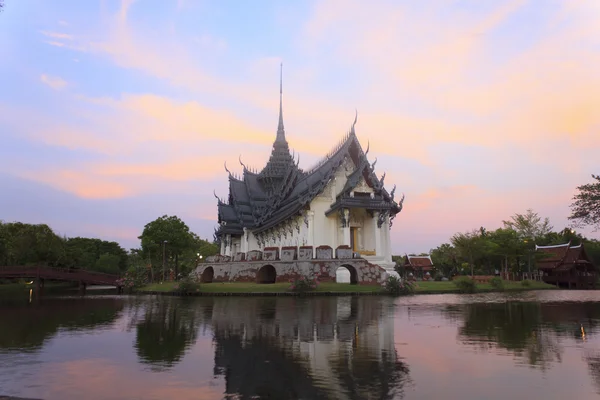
(261, 200)
(562, 257)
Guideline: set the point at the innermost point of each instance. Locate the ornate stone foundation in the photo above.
(268, 267)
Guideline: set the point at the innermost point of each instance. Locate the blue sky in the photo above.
(113, 113)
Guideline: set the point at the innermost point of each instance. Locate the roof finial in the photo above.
(280, 130)
(354, 123)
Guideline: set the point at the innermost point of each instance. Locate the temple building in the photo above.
(419, 266)
(339, 202)
(567, 266)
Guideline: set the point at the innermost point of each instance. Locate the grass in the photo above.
(422, 287)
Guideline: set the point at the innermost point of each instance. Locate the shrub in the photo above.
(465, 285)
(497, 283)
(188, 284)
(132, 279)
(438, 277)
(397, 287)
(303, 284)
(526, 283)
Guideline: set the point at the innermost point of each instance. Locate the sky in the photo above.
(113, 113)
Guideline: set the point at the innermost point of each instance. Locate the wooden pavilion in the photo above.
(419, 266)
(567, 266)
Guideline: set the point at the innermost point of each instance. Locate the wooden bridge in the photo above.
(59, 274)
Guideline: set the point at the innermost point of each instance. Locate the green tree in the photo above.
(27, 244)
(585, 210)
(85, 253)
(530, 228)
(508, 245)
(107, 263)
(166, 238)
(445, 258)
(473, 247)
(529, 225)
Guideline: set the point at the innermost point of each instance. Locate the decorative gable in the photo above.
(362, 187)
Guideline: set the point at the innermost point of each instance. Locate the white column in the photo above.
(311, 228)
(228, 247)
(346, 228)
(378, 231)
(244, 243)
(385, 230)
(359, 239)
(223, 245)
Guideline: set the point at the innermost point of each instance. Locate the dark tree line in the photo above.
(38, 244)
(167, 245)
(510, 249)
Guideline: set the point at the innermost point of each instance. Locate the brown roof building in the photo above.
(423, 264)
(566, 265)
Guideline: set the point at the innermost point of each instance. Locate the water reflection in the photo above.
(26, 327)
(109, 347)
(307, 348)
(530, 331)
(166, 331)
(592, 357)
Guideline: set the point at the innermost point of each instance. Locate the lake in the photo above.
(485, 346)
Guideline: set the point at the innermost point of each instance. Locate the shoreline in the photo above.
(253, 290)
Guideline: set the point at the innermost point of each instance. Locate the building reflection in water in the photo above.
(283, 348)
(311, 348)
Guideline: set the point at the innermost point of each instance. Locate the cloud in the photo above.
(57, 35)
(463, 105)
(54, 82)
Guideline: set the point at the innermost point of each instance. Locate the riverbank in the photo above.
(325, 289)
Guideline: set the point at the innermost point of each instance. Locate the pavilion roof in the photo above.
(418, 262)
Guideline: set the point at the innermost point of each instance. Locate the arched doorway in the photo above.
(207, 275)
(266, 274)
(346, 274)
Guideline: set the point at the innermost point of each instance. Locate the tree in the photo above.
(445, 257)
(507, 243)
(107, 263)
(472, 246)
(27, 244)
(528, 225)
(170, 232)
(585, 210)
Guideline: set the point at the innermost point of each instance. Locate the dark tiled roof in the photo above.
(282, 190)
(562, 257)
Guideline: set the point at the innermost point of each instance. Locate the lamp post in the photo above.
(164, 259)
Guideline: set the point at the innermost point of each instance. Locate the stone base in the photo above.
(262, 271)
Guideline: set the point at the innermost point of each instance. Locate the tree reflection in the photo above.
(27, 327)
(592, 357)
(168, 329)
(529, 330)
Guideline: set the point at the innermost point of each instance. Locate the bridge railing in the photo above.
(72, 274)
